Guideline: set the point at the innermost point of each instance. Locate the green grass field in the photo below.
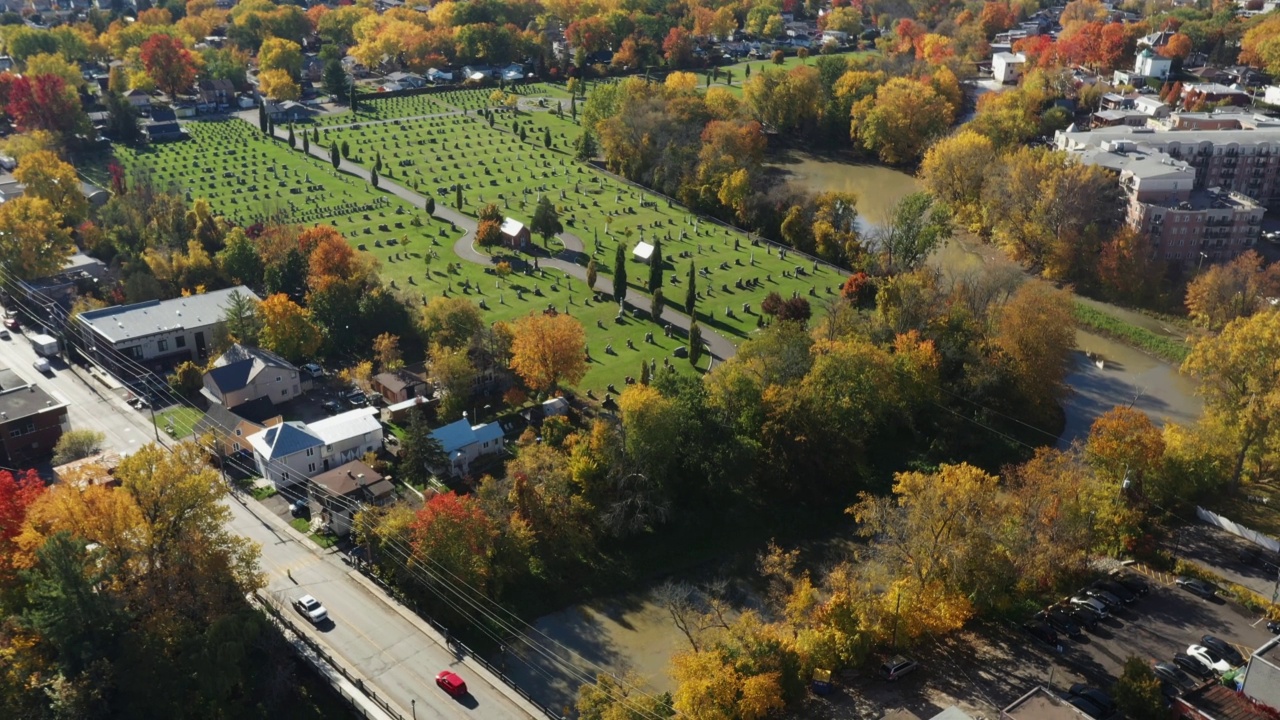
(433, 104)
(735, 76)
(178, 421)
(250, 178)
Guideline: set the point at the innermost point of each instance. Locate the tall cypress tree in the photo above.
(353, 97)
(655, 266)
(695, 343)
(620, 273)
(691, 292)
(334, 157)
(262, 117)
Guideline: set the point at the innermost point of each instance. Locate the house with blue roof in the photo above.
(464, 443)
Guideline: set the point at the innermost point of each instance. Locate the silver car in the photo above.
(1097, 606)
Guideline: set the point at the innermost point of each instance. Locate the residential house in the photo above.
(1007, 67)
(1148, 64)
(1213, 93)
(476, 73)
(231, 430)
(31, 421)
(1156, 40)
(1111, 118)
(215, 95)
(346, 488)
(244, 373)
(1150, 106)
(1213, 701)
(407, 80)
(1115, 101)
(513, 72)
(1262, 675)
(1041, 704)
(439, 76)
(286, 454)
(140, 100)
(399, 385)
(555, 407)
(464, 443)
(348, 436)
(157, 333)
(55, 293)
(312, 68)
(287, 111)
(514, 234)
(401, 412)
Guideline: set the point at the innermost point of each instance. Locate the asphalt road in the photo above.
(95, 407)
(367, 634)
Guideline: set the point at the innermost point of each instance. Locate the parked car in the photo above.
(1197, 586)
(1044, 634)
(12, 323)
(1116, 589)
(356, 399)
(1060, 621)
(1191, 665)
(1096, 697)
(896, 667)
(311, 608)
(1273, 627)
(1086, 706)
(313, 370)
(1170, 674)
(42, 365)
(1209, 658)
(331, 407)
(4, 334)
(1224, 649)
(453, 685)
(1087, 618)
(1135, 584)
(1110, 600)
(1093, 604)
(299, 508)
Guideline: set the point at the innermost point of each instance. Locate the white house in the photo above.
(348, 436)
(1006, 67)
(286, 454)
(157, 332)
(1272, 95)
(1150, 64)
(463, 443)
(292, 452)
(1153, 106)
(244, 373)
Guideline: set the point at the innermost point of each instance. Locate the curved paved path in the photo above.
(721, 347)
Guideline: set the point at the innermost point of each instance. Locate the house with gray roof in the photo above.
(157, 334)
(242, 374)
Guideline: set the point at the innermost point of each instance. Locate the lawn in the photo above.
(1246, 507)
(450, 101)
(736, 74)
(178, 421)
(250, 178)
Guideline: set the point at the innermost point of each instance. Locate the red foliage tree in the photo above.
(44, 102)
(795, 309)
(858, 289)
(678, 47)
(168, 63)
(456, 534)
(1041, 50)
(16, 495)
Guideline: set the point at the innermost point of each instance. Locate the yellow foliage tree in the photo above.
(287, 328)
(547, 350)
(278, 85)
(46, 176)
(33, 240)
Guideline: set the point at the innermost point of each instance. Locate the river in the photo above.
(878, 188)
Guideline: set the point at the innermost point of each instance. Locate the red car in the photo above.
(12, 323)
(451, 683)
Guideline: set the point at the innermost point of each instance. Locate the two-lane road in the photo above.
(400, 659)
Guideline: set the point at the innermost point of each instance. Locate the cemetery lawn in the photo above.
(438, 103)
(738, 71)
(250, 178)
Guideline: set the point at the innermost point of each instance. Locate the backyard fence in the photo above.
(1235, 528)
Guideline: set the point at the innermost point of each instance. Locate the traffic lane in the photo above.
(1154, 628)
(88, 408)
(1219, 551)
(375, 640)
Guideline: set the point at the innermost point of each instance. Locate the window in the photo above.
(31, 427)
(238, 433)
(162, 345)
(285, 476)
(15, 433)
(284, 392)
(311, 467)
(235, 446)
(311, 452)
(278, 378)
(180, 341)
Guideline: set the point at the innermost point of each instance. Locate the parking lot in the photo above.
(989, 666)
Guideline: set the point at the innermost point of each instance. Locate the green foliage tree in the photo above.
(655, 266)
(691, 291)
(77, 444)
(916, 227)
(335, 78)
(620, 273)
(584, 147)
(430, 206)
(695, 343)
(1138, 693)
(457, 196)
(656, 305)
(546, 221)
(334, 157)
(420, 451)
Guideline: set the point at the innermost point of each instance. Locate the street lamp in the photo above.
(413, 704)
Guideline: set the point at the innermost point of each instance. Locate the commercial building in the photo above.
(31, 421)
(156, 334)
(1041, 704)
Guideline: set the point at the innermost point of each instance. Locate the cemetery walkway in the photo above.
(721, 346)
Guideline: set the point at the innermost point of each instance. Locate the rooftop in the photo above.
(348, 479)
(347, 425)
(1097, 136)
(1040, 704)
(1222, 703)
(1211, 199)
(239, 365)
(511, 227)
(130, 322)
(25, 401)
(461, 433)
(284, 439)
(398, 380)
(1139, 161)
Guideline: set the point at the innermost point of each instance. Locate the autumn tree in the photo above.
(33, 240)
(169, 64)
(1240, 384)
(453, 372)
(46, 176)
(456, 535)
(612, 699)
(46, 102)
(1124, 445)
(1231, 290)
(287, 328)
(386, 348)
(280, 54)
(489, 233)
(17, 493)
(954, 169)
(548, 349)
(1035, 334)
(901, 121)
(278, 85)
(1138, 692)
(77, 444)
(450, 321)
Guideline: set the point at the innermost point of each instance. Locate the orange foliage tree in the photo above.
(548, 349)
